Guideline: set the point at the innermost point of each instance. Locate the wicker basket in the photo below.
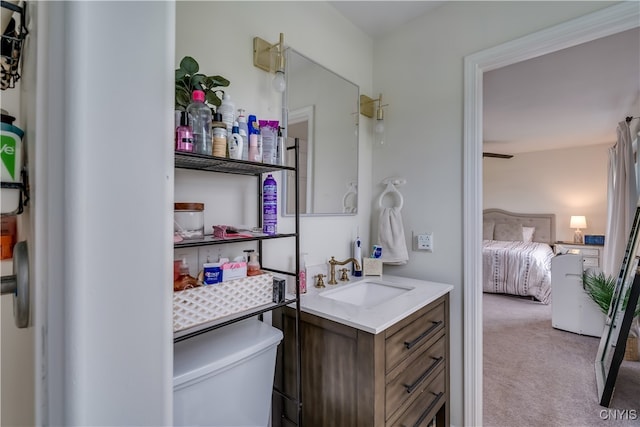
(631, 350)
(203, 304)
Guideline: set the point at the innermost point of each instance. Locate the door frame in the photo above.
(611, 20)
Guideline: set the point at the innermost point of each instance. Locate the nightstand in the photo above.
(591, 254)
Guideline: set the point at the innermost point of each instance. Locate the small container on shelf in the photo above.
(188, 220)
(234, 270)
(184, 279)
(219, 131)
(253, 266)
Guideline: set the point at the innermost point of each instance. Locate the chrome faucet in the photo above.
(333, 263)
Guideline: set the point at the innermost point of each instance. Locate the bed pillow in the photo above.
(487, 230)
(508, 232)
(527, 234)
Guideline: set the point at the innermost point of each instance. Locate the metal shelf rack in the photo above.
(208, 163)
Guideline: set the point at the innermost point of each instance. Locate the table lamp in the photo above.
(578, 222)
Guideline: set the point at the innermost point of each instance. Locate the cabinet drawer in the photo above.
(413, 378)
(425, 407)
(415, 333)
(590, 252)
(590, 262)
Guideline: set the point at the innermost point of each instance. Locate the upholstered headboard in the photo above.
(545, 224)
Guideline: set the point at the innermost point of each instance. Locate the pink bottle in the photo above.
(184, 135)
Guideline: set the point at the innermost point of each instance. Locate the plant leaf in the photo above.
(189, 65)
(212, 98)
(600, 288)
(180, 74)
(216, 81)
(183, 98)
(197, 81)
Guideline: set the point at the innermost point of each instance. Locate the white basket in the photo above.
(204, 304)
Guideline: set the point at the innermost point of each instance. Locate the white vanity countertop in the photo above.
(379, 317)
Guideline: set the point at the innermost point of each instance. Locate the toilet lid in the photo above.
(216, 350)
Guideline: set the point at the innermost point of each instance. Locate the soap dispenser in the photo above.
(253, 266)
(184, 280)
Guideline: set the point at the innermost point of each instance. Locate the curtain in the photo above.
(622, 200)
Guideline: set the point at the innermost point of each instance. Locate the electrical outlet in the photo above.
(424, 242)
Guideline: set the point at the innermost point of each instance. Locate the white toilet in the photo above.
(225, 377)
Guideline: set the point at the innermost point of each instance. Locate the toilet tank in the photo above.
(225, 377)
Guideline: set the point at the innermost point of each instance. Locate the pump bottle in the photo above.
(244, 133)
(235, 143)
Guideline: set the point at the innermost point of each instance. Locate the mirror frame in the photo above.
(618, 320)
(299, 115)
(312, 142)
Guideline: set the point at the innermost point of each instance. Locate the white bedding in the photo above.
(517, 268)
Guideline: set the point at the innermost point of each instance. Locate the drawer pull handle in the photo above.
(424, 334)
(431, 406)
(425, 374)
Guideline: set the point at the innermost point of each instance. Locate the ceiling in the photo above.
(573, 97)
(376, 18)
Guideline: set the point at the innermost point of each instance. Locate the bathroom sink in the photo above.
(366, 293)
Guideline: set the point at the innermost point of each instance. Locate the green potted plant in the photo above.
(189, 79)
(600, 288)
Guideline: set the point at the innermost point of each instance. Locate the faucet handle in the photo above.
(320, 282)
(344, 277)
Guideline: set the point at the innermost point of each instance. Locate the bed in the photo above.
(517, 252)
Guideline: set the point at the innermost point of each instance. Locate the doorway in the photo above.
(611, 20)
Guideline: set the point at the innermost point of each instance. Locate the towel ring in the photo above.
(391, 188)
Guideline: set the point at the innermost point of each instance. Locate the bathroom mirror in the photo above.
(321, 109)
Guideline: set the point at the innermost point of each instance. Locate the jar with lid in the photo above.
(188, 220)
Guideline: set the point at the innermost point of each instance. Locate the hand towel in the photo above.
(391, 236)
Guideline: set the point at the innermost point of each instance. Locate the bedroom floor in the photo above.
(535, 375)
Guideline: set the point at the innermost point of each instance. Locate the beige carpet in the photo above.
(538, 376)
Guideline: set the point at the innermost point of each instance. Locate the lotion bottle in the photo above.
(244, 133)
(235, 143)
(255, 154)
(226, 109)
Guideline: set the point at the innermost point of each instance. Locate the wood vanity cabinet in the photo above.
(398, 377)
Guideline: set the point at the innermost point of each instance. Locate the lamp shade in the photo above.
(578, 221)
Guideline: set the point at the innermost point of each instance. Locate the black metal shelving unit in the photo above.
(207, 163)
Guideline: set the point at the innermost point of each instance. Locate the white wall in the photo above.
(16, 361)
(419, 70)
(17, 388)
(111, 155)
(564, 182)
(219, 35)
